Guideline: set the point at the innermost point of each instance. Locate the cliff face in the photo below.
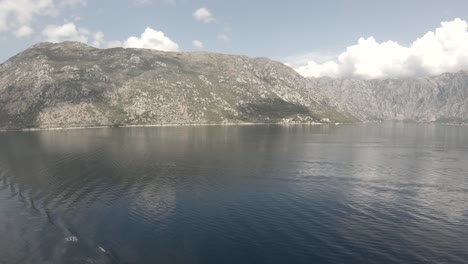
(442, 98)
(72, 84)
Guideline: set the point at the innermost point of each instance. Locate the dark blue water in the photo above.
(369, 193)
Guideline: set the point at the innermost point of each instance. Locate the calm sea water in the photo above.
(369, 193)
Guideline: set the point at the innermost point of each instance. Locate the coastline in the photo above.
(207, 124)
(159, 125)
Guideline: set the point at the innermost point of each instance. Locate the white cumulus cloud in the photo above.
(198, 44)
(68, 31)
(15, 14)
(204, 15)
(150, 39)
(444, 50)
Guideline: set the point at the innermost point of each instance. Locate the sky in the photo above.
(338, 38)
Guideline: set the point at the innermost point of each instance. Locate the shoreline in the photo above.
(208, 124)
(156, 125)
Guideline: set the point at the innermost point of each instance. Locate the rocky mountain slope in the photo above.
(442, 98)
(71, 84)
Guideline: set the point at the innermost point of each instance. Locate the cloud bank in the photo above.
(444, 50)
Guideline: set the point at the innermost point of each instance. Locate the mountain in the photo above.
(442, 98)
(71, 84)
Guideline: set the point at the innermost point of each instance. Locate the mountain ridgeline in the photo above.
(71, 84)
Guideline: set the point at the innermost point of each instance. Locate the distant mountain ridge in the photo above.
(72, 84)
(442, 98)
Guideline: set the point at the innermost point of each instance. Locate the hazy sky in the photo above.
(308, 35)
